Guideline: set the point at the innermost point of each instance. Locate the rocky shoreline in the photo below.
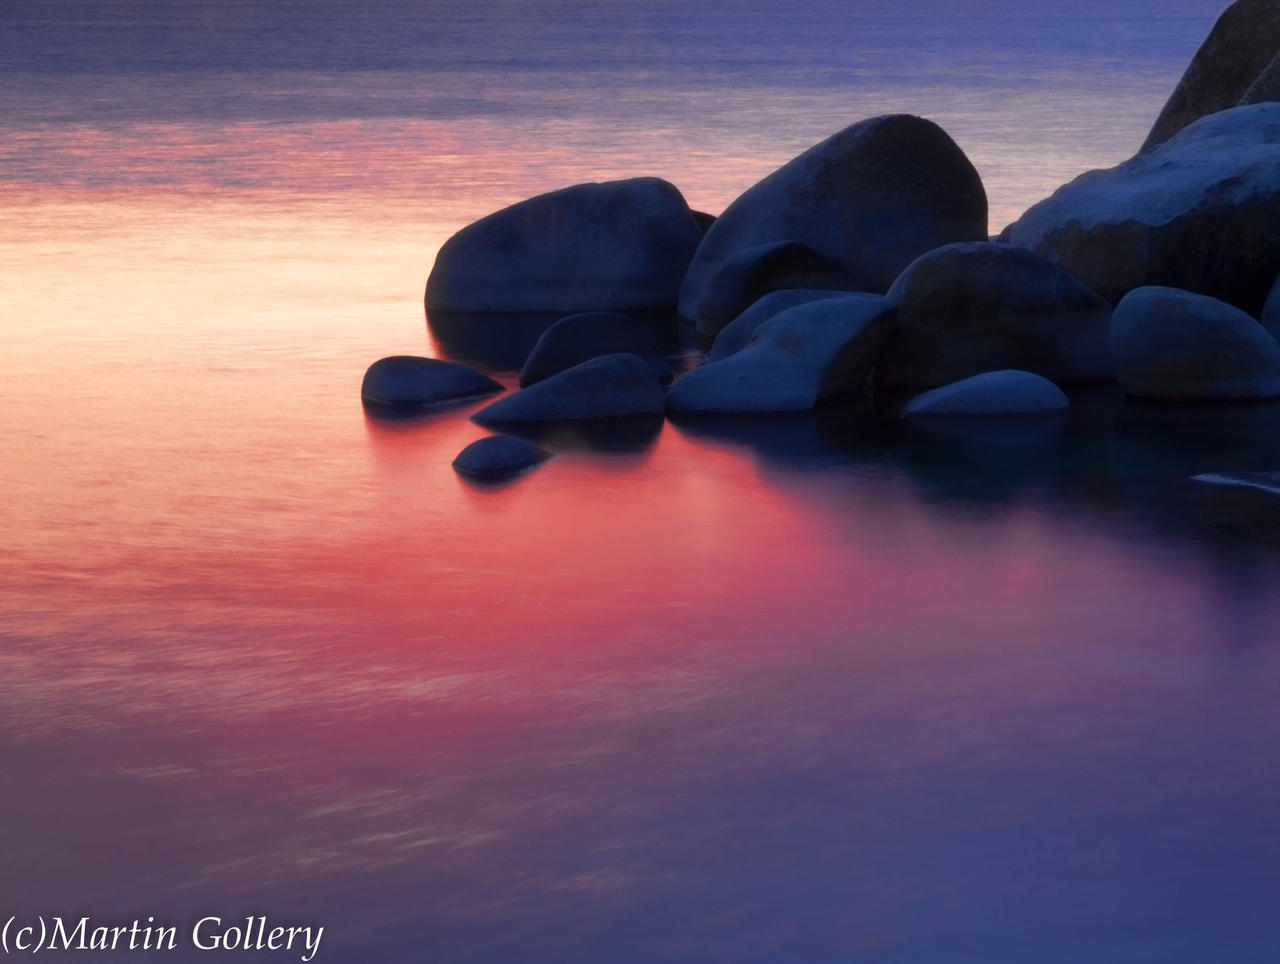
(864, 270)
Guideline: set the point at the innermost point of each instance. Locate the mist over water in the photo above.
(800, 689)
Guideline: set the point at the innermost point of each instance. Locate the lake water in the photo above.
(793, 690)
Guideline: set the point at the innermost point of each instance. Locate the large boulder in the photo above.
(408, 380)
(498, 457)
(872, 198)
(1201, 212)
(606, 387)
(735, 335)
(970, 308)
(990, 395)
(577, 338)
(1168, 343)
(1224, 70)
(749, 274)
(795, 359)
(616, 246)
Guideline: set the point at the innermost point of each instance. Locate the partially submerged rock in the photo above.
(990, 395)
(1201, 212)
(578, 338)
(615, 246)
(964, 309)
(1224, 70)
(749, 274)
(498, 457)
(412, 381)
(735, 335)
(795, 359)
(606, 387)
(1168, 343)
(871, 198)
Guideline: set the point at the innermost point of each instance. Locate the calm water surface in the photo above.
(814, 689)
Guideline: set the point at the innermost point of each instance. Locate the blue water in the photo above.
(809, 689)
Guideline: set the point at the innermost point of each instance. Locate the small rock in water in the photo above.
(409, 380)
(991, 395)
(498, 457)
(578, 338)
(1173, 344)
(606, 387)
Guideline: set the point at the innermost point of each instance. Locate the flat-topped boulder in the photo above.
(747, 275)
(610, 386)
(1225, 70)
(1201, 212)
(964, 309)
(1002, 394)
(578, 338)
(1173, 344)
(735, 335)
(870, 198)
(793, 361)
(413, 381)
(614, 246)
(498, 457)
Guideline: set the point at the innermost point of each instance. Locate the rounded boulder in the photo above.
(614, 246)
(1174, 344)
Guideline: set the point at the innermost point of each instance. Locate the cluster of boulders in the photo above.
(864, 266)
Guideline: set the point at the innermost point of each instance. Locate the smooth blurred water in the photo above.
(809, 689)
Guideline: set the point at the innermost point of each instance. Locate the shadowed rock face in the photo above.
(578, 338)
(735, 335)
(871, 198)
(1173, 344)
(990, 395)
(970, 308)
(1266, 86)
(1240, 47)
(607, 387)
(614, 246)
(794, 360)
(408, 380)
(1201, 212)
(748, 275)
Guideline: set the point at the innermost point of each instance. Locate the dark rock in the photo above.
(407, 380)
(747, 275)
(577, 338)
(735, 335)
(1220, 75)
(1173, 344)
(1201, 212)
(872, 198)
(703, 219)
(593, 247)
(1266, 87)
(606, 387)
(498, 457)
(991, 394)
(964, 309)
(795, 359)
(1271, 311)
